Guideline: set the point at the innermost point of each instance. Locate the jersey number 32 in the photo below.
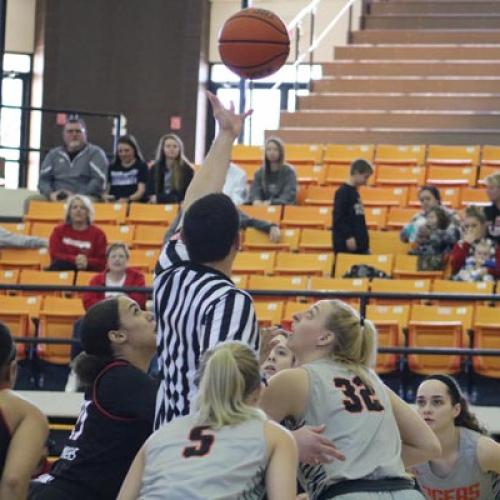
(358, 396)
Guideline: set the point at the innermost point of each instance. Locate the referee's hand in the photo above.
(228, 119)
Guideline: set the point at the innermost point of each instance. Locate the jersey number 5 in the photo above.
(204, 442)
(358, 396)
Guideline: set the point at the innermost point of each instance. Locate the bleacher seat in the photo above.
(338, 174)
(8, 277)
(288, 283)
(242, 153)
(398, 217)
(317, 264)
(143, 213)
(315, 240)
(384, 196)
(490, 156)
(290, 309)
(399, 155)
(240, 280)
(485, 171)
(345, 261)
(15, 227)
(41, 229)
(451, 176)
(45, 211)
(310, 174)
(257, 240)
(118, 234)
(486, 336)
(340, 285)
(401, 286)
(462, 288)
(254, 263)
(405, 266)
(110, 213)
(83, 278)
(250, 169)
(143, 259)
(474, 196)
(294, 216)
(399, 176)
(345, 154)
(453, 155)
(303, 154)
(35, 277)
(271, 214)
(147, 236)
(269, 313)
(376, 217)
(319, 195)
(25, 258)
(385, 242)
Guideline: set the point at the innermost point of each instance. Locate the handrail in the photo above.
(303, 13)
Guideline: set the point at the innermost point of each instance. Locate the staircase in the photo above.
(419, 72)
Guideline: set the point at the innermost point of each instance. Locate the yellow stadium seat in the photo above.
(474, 196)
(147, 236)
(450, 196)
(15, 227)
(45, 211)
(269, 313)
(402, 286)
(399, 176)
(254, 263)
(337, 174)
(143, 213)
(384, 196)
(57, 317)
(110, 213)
(294, 216)
(304, 154)
(462, 288)
(342, 154)
(376, 217)
(319, 195)
(119, 234)
(385, 242)
(240, 280)
(8, 277)
(437, 327)
(25, 258)
(340, 285)
(83, 278)
(290, 309)
(400, 313)
(486, 328)
(287, 283)
(41, 229)
(270, 213)
(405, 266)
(317, 264)
(33, 277)
(486, 171)
(398, 217)
(346, 260)
(315, 240)
(490, 156)
(398, 155)
(451, 176)
(242, 153)
(257, 240)
(453, 155)
(143, 259)
(310, 174)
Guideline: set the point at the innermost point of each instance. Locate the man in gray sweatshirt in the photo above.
(13, 240)
(75, 168)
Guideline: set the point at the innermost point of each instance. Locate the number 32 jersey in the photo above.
(358, 419)
(184, 460)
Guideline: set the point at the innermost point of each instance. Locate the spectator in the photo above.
(116, 416)
(275, 183)
(78, 244)
(236, 184)
(12, 240)
(477, 267)
(23, 428)
(349, 231)
(475, 230)
(429, 196)
(170, 175)
(78, 167)
(128, 174)
(492, 212)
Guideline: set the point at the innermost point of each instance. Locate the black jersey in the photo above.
(4, 441)
(115, 419)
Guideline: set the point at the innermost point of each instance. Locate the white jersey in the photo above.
(358, 419)
(466, 481)
(187, 461)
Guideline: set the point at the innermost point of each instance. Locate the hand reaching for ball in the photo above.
(228, 119)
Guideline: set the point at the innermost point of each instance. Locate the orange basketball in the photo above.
(254, 43)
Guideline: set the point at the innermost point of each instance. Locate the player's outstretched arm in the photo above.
(488, 454)
(212, 175)
(133, 480)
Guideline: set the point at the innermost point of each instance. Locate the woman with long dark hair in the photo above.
(117, 414)
(171, 173)
(469, 466)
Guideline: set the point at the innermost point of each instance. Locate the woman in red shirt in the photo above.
(78, 245)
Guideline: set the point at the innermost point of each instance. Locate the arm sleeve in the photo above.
(8, 239)
(91, 298)
(260, 225)
(459, 253)
(288, 193)
(232, 317)
(173, 252)
(342, 223)
(189, 178)
(99, 171)
(126, 392)
(56, 249)
(46, 178)
(256, 187)
(97, 262)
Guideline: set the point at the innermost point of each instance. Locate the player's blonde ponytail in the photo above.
(229, 375)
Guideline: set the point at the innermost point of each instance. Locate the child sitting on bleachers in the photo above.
(478, 265)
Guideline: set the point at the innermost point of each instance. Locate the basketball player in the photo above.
(469, 467)
(116, 417)
(226, 449)
(23, 428)
(335, 386)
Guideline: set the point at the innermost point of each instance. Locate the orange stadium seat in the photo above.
(342, 154)
(318, 264)
(399, 176)
(143, 213)
(83, 277)
(376, 217)
(319, 195)
(432, 326)
(118, 234)
(461, 288)
(474, 196)
(33, 277)
(315, 240)
(310, 174)
(490, 156)
(382, 242)
(451, 176)
(270, 213)
(405, 266)
(242, 153)
(398, 217)
(384, 196)
(45, 211)
(110, 213)
(396, 155)
(240, 280)
(320, 217)
(303, 154)
(321, 284)
(346, 260)
(486, 328)
(15, 227)
(453, 155)
(289, 283)
(147, 236)
(254, 263)
(338, 174)
(57, 317)
(269, 313)
(422, 286)
(485, 171)
(8, 277)
(143, 259)
(41, 229)
(290, 309)
(257, 240)
(250, 169)
(26, 258)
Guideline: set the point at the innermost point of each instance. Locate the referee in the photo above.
(196, 304)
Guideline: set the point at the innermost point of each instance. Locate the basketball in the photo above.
(254, 43)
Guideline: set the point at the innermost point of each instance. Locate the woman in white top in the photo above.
(227, 449)
(374, 429)
(469, 466)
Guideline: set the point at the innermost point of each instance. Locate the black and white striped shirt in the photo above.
(196, 307)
